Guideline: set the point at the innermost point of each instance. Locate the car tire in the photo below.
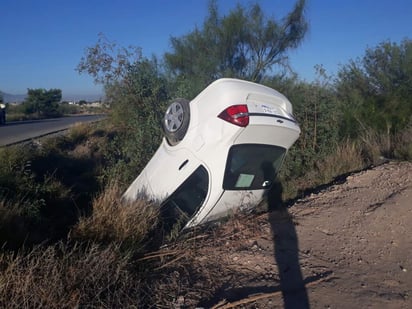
(176, 121)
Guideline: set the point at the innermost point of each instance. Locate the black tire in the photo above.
(176, 121)
(2, 117)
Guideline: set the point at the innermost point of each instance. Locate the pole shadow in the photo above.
(286, 250)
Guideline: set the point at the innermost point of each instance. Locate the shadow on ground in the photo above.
(286, 251)
(290, 282)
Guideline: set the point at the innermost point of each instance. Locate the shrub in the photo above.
(46, 185)
(65, 108)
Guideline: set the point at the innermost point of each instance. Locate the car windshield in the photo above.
(187, 199)
(252, 166)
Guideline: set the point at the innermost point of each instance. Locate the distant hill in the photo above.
(10, 98)
(19, 98)
(86, 97)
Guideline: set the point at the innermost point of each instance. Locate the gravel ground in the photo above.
(348, 246)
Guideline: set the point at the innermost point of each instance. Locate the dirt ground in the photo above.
(347, 246)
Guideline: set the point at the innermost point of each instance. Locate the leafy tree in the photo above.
(316, 110)
(43, 102)
(136, 90)
(244, 44)
(134, 85)
(124, 72)
(108, 63)
(375, 91)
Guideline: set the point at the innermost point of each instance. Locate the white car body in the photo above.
(206, 147)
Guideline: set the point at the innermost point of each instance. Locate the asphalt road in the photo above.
(18, 131)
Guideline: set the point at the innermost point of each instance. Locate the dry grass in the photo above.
(105, 275)
(197, 267)
(379, 146)
(8, 212)
(98, 267)
(403, 145)
(346, 158)
(79, 131)
(375, 146)
(67, 277)
(11, 223)
(109, 260)
(114, 220)
(369, 149)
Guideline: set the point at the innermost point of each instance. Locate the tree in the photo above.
(108, 63)
(43, 102)
(376, 90)
(244, 44)
(134, 86)
(123, 72)
(136, 90)
(315, 109)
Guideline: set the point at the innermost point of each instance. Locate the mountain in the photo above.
(86, 97)
(11, 98)
(19, 98)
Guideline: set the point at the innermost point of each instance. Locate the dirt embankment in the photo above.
(348, 246)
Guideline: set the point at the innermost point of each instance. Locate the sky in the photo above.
(42, 41)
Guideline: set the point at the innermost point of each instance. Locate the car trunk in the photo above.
(251, 167)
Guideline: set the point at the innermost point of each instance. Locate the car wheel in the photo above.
(176, 121)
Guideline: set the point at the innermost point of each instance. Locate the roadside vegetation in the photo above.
(41, 103)
(67, 238)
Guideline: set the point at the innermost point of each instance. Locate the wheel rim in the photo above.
(174, 117)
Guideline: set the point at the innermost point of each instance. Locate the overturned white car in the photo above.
(221, 151)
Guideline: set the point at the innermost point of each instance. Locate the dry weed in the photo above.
(373, 146)
(114, 220)
(79, 131)
(8, 212)
(403, 145)
(346, 158)
(68, 277)
(14, 225)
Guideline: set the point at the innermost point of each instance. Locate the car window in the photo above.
(252, 166)
(187, 199)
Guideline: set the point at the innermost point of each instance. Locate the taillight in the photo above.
(236, 114)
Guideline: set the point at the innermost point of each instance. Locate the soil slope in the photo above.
(348, 246)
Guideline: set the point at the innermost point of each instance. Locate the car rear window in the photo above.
(187, 199)
(252, 166)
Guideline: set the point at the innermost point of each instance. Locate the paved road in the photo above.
(14, 132)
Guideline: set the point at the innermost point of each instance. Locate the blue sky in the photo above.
(42, 41)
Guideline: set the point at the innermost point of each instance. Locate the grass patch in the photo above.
(45, 186)
(347, 157)
(63, 276)
(114, 220)
(403, 145)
